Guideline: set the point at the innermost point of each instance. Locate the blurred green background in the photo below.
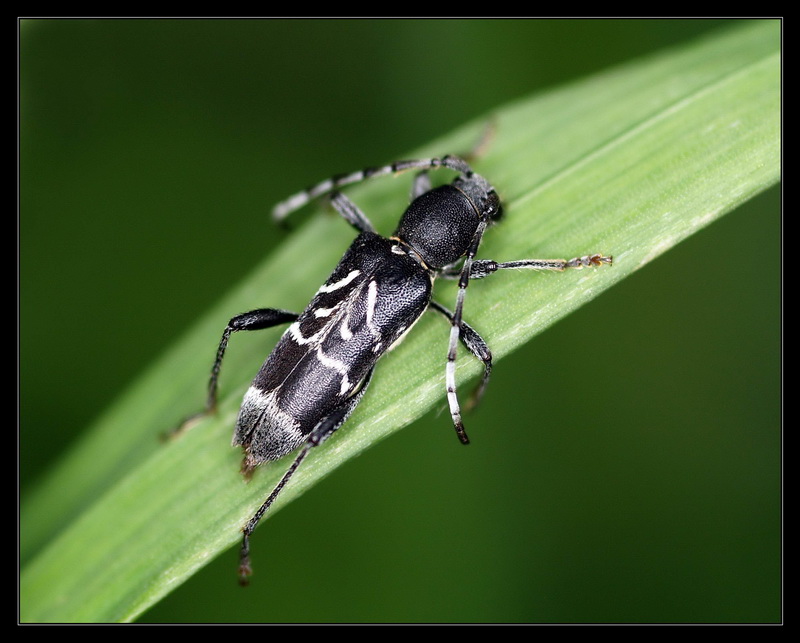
(643, 432)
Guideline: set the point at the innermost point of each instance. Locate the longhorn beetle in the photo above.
(322, 365)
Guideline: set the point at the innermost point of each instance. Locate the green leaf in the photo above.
(628, 162)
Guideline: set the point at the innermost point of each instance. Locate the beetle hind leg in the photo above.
(321, 432)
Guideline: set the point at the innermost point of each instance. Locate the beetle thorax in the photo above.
(439, 225)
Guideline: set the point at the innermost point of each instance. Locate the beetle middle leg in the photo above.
(254, 320)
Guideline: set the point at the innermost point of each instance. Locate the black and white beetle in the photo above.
(321, 367)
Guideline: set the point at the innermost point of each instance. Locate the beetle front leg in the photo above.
(351, 212)
(484, 267)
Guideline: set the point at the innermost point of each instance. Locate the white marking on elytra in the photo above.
(339, 284)
(330, 362)
(325, 312)
(344, 330)
(294, 331)
(257, 404)
(372, 299)
(345, 386)
(336, 365)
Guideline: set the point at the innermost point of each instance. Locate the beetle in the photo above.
(323, 363)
